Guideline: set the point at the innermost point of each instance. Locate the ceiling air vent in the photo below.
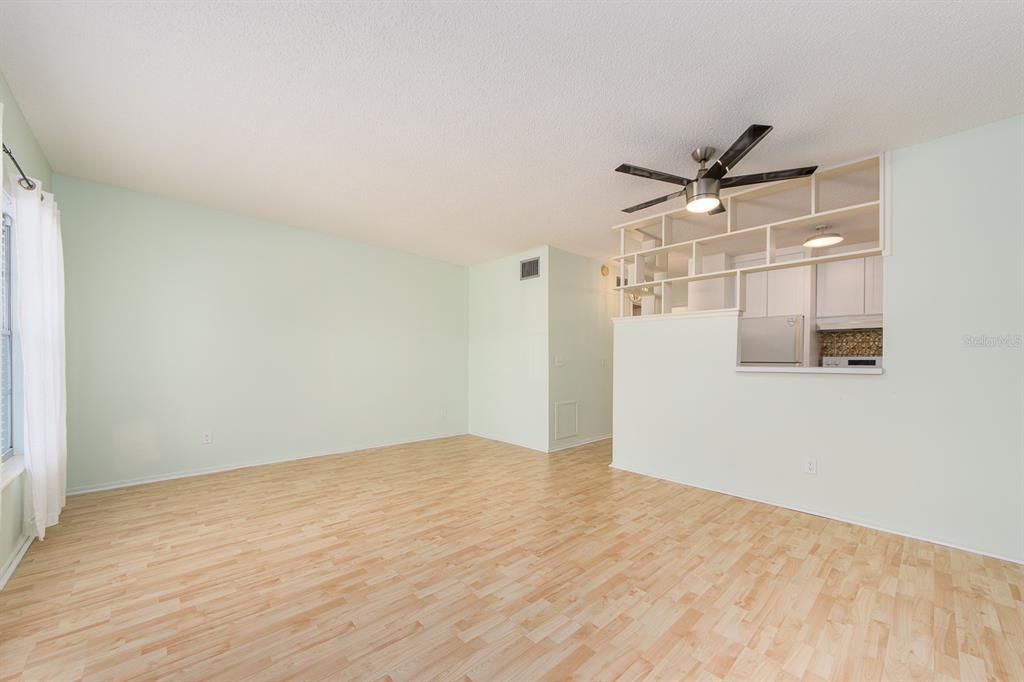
(529, 268)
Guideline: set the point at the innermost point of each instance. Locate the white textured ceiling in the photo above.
(468, 131)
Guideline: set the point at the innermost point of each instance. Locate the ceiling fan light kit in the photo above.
(702, 195)
(702, 192)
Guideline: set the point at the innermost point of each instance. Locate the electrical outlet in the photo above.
(444, 412)
(811, 466)
(207, 437)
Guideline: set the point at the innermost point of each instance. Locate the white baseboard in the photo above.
(581, 443)
(831, 517)
(549, 450)
(156, 478)
(12, 563)
(506, 442)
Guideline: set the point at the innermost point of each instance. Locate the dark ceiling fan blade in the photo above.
(717, 209)
(652, 202)
(771, 176)
(640, 172)
(743, 144)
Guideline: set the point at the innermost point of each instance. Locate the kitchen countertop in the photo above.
(753, 369)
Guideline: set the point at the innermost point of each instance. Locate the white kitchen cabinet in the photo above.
(756, 290)
(841, 288)
(786, 291)
(776, 292)
(873, 285)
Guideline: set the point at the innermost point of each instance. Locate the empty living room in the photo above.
(508, 341)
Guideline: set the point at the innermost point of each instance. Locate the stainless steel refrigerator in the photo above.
(772, 340)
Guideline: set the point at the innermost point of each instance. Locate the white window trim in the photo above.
(8, 452)
(11, 469)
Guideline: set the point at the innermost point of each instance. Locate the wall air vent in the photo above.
(529, 268)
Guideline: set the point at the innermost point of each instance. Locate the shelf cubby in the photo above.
(848, 185)
(771, 203)
(734, 244)
(688, 228)
(859, 223)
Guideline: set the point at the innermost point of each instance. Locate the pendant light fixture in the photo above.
(821, 238)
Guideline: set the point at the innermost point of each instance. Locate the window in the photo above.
(7, 359)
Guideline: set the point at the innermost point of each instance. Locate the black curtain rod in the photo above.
(24, 181)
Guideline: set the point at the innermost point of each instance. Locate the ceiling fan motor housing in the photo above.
(701, 188)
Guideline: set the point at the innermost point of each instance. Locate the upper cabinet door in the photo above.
(841, 288)
(787, 290)
(754, 302)
(873, 285)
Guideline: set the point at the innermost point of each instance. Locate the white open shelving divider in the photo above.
(673, 245)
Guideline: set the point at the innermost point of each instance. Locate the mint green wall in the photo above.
(282, 342)
(18, 136)
(11, 515)
(538, 342)
(580, 310)
(508, 351)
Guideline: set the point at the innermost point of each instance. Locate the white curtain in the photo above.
(38, 288)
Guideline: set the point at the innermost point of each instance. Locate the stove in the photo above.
(874, 361)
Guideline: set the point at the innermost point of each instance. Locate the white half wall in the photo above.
(934, 447)
(280, 342)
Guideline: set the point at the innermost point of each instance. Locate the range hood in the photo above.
(841, 322)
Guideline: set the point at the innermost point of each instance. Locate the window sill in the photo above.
(11, 469)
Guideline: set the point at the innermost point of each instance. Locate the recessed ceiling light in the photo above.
(822, 238)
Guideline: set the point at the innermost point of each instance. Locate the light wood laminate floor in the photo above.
(465, 557)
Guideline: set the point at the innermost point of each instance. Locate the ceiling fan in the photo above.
(702, 192)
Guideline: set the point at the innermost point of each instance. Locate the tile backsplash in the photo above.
(851, 342)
